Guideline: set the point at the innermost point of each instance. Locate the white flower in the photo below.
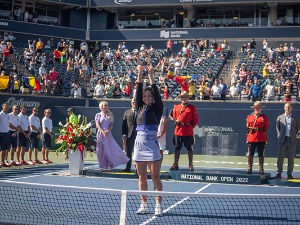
(60, 124)
(88, 126)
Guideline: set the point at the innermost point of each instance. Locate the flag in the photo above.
(32, 82)
(170, 74)
(4, 81)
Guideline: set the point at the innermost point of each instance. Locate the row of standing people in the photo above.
(18, 132)
(287, 126)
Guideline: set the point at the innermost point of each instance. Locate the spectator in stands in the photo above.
(128, 89)
(234, 91)
(265, 44)
(5, 53)
(11, 49)
(15, 85)
(117, 91)
(255, 91)
(291, 70)
(26, 16)
(53, 75)
(292, 47)
(108, 90)
(244, 48)
(272, 55)
(288, 90)
(17, 13)
(270, 91)
(99, 89)
(215, 90)
(2, 46)
(253, 44)
(42, 71)
(39, 46)
(56, 55)
(214, 44)
(77, 90)
(169, 45)
(11, 37)
(206, 91)
(223, 88)
(234, 75)
(243, 74)
(192, 89)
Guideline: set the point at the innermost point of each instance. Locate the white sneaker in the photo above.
(30, 162)
(143, 208)
(158, 210)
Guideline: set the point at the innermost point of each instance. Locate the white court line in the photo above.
(176, 204)
(25, 177)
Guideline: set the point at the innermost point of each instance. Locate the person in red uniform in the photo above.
(257, 127)
(185, 118)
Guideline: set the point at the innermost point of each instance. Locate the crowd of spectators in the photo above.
(61, 69)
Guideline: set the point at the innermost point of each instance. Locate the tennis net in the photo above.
(30, 203)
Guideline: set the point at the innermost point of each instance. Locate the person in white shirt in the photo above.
(215, 90)
(4, 138)
(99, 90)
(234, 91)
(47, 135)
(14, 128)
(77, 91)
(270, 91)
(42, 71)
(23, 135)
(35, 128)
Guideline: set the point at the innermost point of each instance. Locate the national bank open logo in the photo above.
(173, 34)
(164, 34)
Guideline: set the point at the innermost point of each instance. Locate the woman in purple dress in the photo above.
(109, 153)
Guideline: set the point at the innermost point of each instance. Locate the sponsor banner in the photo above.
(191, 33)
(226, 177)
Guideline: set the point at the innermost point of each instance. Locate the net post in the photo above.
(123, 208)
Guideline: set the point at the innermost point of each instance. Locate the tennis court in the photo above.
(46, 195)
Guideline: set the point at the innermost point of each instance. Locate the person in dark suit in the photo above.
(287, 126)
(129, 133)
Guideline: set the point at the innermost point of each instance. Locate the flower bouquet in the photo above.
(75, 136)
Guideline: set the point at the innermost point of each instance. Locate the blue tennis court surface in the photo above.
(222, 209)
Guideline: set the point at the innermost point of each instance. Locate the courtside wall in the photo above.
(221, 130)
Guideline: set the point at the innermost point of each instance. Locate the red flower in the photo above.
(70, 140)
(80, 146)
(70, 129)
(66, 137)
